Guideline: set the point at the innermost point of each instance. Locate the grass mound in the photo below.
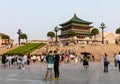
(25, 49)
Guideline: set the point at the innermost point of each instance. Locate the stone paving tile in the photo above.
(69, 74)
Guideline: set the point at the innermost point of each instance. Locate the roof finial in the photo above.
(74, 13)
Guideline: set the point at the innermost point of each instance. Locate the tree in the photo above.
(51, 35)
(94, 32)
(23, 36)
(118, 31)
(72, 33)
(5, 37)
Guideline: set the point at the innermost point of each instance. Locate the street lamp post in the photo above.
(102, 26)
(56, 30)
(19, 32)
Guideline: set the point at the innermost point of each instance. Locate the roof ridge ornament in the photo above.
(75, 15)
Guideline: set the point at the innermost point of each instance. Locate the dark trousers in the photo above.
(28, 62)
(56, 70)
(119, 65)
(116, 62)
(105, 67)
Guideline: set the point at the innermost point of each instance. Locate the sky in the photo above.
(37, 17)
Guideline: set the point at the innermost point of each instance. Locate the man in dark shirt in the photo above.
(56, 65)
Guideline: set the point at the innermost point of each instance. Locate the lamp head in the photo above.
(102, 24)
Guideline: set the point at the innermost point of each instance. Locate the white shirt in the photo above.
(118, 57)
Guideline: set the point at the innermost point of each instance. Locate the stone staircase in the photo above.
(96, 50)
(39, 50)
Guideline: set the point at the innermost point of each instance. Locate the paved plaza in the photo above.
(69, 74)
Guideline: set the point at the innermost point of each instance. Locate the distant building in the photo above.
(109, 37)
(81, 27)
(38, 41)
(5, 40)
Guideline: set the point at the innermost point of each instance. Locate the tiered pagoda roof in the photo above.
(75, 19)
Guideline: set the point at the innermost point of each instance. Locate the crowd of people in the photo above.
(62, 57)
(21, 60)
(54, 58)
